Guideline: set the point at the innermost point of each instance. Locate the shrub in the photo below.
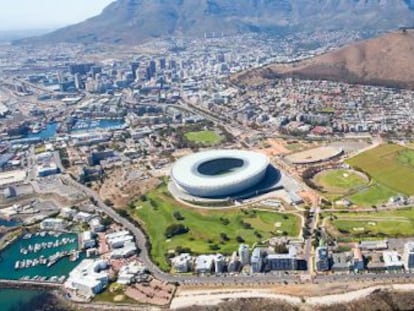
(177, 215)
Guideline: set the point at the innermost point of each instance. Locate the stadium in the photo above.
(223, 173)
(314, 156)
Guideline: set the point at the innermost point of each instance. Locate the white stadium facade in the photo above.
(219, 173)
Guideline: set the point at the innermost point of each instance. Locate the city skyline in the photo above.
(44, 14)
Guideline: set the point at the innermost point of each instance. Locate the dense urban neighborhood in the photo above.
(137, 174)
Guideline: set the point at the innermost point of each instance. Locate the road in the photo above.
(256, 279)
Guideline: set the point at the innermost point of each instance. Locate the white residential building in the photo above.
(87, 240)
(53, 224)
(88, 278)
(204, 263)
(182, 263)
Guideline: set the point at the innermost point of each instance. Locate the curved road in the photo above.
(256, 279)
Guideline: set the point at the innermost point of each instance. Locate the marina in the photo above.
(45, 132)
(44, 256)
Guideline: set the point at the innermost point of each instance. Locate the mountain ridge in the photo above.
(385, 61)
(134, 21)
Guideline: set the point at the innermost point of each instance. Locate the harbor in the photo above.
(43, 256)
(106, 124)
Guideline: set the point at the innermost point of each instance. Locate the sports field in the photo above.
(340, 180)
(204, 137)
(374, 195)
(398, 223)
(390, 165)
(210, 231)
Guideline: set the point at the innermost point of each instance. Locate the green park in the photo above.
(204, 137)
(173, 228)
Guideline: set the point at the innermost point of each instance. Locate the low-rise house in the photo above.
(127, 250)
(83, 217)
(134, 272)
(373, 245)
(341, 262)
(392, 260)
(96, 225)
(375, 263)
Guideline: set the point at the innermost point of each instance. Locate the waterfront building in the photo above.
(88, 278)
(87, 240)
(53, 224)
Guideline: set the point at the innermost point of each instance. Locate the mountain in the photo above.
(132, 21)
(387, 60)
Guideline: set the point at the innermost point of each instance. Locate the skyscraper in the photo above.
(134, 68)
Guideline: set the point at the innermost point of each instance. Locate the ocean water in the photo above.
(18, 299)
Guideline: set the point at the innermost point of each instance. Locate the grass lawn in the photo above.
(156, 213)
(340, 180)
(376, 194)
(40, 149)
(391, 165)
(204, 137)
(398, 223)
(294, 147)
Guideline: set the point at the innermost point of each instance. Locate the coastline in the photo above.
(188, 298)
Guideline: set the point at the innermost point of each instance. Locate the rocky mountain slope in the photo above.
(131, 21)
(387, 60)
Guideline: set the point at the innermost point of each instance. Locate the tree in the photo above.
(224, 237)
(175, 229)
(214, 247)
(239, 239)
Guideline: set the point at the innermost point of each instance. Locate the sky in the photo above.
(41, 14)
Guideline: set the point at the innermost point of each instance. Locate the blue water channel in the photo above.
(107, 124)
(48, 132)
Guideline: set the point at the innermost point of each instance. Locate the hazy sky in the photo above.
(27, 14)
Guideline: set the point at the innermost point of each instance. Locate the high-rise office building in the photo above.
(134, 68)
